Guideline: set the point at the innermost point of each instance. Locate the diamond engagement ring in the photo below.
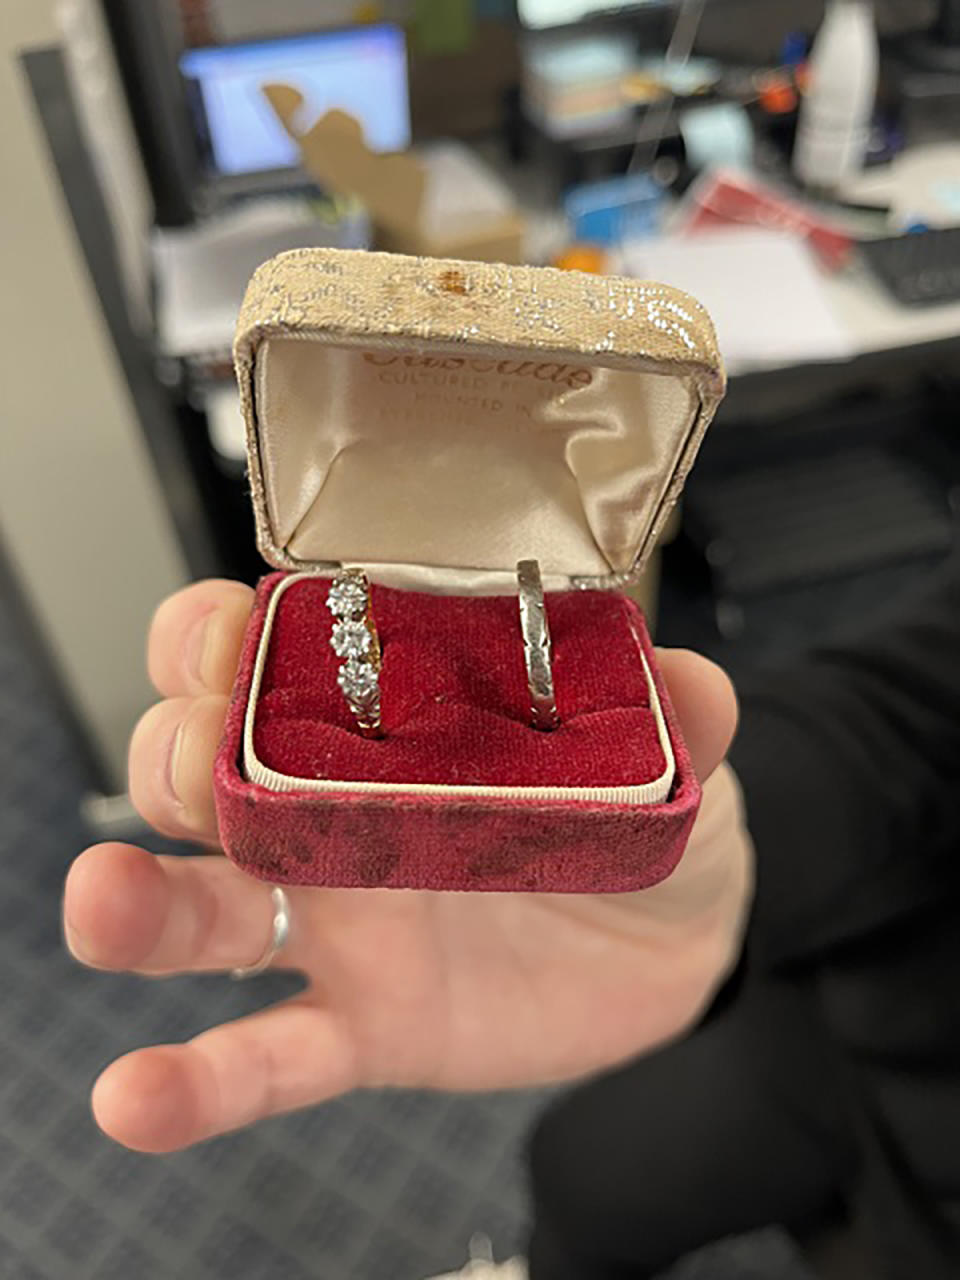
(354, 639)
(537, 649)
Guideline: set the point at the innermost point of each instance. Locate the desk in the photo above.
(884, 340)
(892, 345)
(878, 323)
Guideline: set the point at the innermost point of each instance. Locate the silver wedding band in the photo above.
(279, 933)
(537, 648)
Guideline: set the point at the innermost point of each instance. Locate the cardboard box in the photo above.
(394, 188)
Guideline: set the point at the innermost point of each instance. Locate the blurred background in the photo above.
(795, 166)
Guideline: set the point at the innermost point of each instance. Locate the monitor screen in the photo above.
(362, 71)
(538, 14)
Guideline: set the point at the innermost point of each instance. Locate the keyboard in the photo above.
(921, 268)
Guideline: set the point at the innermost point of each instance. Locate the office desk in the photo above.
(878, 323)
(893, 346)
(888, 344)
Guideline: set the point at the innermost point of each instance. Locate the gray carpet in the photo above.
(378, 1187)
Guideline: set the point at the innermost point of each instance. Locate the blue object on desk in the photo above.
(617, 209)
(795, 50)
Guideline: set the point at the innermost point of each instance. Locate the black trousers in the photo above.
(739, 1126)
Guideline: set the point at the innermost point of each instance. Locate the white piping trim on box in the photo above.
(654, 792)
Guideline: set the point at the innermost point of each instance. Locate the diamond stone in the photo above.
(350, 639)
(358, 680)
(347, 596)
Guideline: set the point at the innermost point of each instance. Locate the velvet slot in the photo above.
(346, 837)
(455, 701)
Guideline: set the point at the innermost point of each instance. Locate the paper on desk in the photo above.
(202, 271)
(922, 184)
(461, 190)
(762, 288)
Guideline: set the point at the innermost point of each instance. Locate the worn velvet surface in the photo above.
(455, 713)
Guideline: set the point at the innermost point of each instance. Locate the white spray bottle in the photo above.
(833, 133)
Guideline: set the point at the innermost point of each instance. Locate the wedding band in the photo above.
(537, 649)
(354, 639)
(279, 932)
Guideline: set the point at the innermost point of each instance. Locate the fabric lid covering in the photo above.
(436, 421)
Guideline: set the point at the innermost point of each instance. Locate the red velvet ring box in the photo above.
(434, 423)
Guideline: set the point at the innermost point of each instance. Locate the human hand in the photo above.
(443, 990)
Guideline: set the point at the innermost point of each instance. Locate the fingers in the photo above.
(706, 706)
(194, 646)
(164, 1098)
(125, 909)
(195, 638)
(171, 766)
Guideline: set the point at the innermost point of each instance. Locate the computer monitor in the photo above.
(540, 14)
(362, 71)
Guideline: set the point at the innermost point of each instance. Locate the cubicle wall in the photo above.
(83, 521)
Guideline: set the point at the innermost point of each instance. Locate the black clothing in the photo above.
(741, 1125)
(850, 767)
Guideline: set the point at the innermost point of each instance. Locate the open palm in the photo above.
(459, 991)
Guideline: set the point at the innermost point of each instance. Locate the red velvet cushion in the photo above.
(455, 702)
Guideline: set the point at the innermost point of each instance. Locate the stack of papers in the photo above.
(202, 271)
(461, 191)
(766, 294)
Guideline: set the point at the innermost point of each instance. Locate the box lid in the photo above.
(437, 421)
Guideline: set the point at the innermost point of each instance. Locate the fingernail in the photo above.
(198, 640)
(173, 765)
(75, 944)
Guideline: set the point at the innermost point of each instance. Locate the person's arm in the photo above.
(850, 768)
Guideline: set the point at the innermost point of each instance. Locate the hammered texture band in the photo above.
(537, 648)
(354, 639)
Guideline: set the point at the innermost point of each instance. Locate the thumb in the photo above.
(706, 705)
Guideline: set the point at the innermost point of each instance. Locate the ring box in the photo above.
(434, 422)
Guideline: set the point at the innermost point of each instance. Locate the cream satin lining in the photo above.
(654, 792)
(452, 461)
